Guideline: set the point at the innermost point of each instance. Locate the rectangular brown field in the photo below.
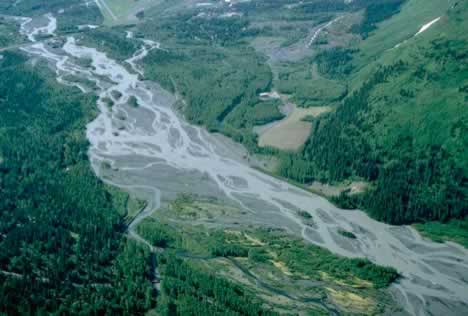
(291, 132)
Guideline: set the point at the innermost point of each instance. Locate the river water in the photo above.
(149, 149)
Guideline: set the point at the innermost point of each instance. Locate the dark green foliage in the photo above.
(453, 230)
(78, 14)
(111, 41)
(297, 168)
(133, 101)
(227, 250)
(189, 291)
(34, 7)
(75, 12)
(307, 87)
(304, 214)
(221, 88)
(347, 201)
(419, 165)
(335, 62)
(263, 112)
(220, 247)
(345, 152)
(210, 64)
(108, 101)
(258, 255)
(377, 11)
(347, 234)
(60, 232)
(320, 6)
(340, 268)
(309, 259)
(165, 236)
(218, 30)
(160, 235)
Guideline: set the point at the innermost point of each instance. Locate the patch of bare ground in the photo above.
(330, 190)
(339, 34)
(291, 132)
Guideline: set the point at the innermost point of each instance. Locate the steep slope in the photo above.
(403, 127)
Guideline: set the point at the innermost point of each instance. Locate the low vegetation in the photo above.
(190, 245)
(455, 230)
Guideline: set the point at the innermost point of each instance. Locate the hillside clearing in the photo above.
(123, 11)
(292, 132)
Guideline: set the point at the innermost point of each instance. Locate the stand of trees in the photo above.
(75, 11)
(417, 167)
(188, 291)
(375, 12)
(61, 243)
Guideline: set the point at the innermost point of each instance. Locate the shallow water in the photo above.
(152, 150)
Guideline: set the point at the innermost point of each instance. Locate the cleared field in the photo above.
(414, 14)
(292, 132)
(123, 11)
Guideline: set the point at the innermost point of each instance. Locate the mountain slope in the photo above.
(404, 127)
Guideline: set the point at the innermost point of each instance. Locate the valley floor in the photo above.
(198, 229)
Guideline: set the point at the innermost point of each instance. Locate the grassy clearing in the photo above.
(123, 11)
(106, 11)
(292, 132)
(454, 230)
(120, 7)
(351, 301)
(413, 15)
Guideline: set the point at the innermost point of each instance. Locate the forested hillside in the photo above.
(399, 114)
(403, 129)
(396, 120)
(213, 65)
(212, 68)
(61, 243)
